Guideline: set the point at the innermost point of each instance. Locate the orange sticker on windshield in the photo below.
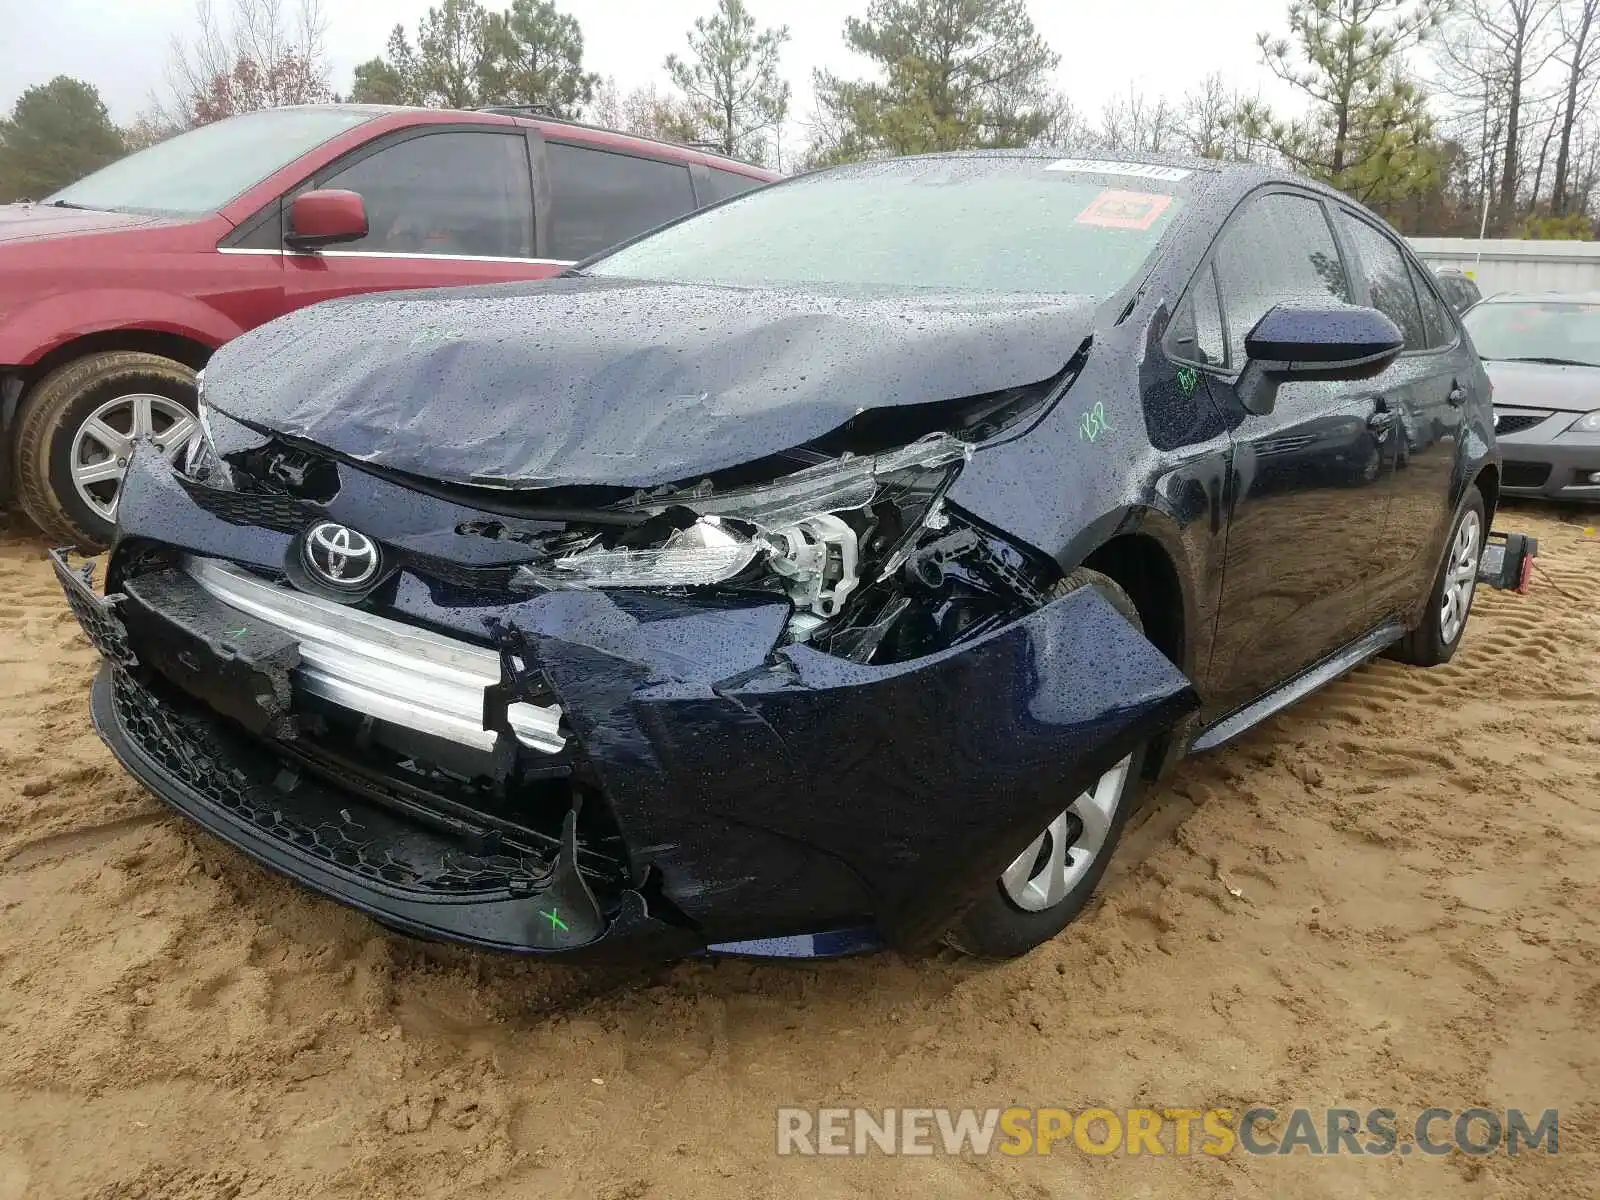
(1125, 210)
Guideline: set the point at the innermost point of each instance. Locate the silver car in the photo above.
(1542, 353)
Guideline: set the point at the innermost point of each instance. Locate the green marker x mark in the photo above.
(1188, 379)
(554, 917)
(239, 632)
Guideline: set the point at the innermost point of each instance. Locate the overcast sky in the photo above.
(1160, 47)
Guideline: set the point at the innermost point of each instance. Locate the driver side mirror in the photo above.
(1333, 341)
(325, 218)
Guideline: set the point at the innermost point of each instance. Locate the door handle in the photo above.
(1458, 394)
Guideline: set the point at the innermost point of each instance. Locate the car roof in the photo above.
(546, 122)
(1543, 298)
(1225, 178)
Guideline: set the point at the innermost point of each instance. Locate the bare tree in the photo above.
(646, 111)
(1503, 47)
(1066, 125)
(1579, 54)
(1138, 124)
(1216, 121)
(262, 56)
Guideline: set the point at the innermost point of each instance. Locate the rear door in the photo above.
(1308, 482)
(1426, 387)
(446, 205)
(600, 197)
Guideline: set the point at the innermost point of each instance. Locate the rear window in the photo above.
(599, 198)
(197, 173)
(954, 224)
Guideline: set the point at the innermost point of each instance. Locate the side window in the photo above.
(724, 185)
(1197, 326)
(445, 193)
(1436, 320)
(1278, 248)
(1389, 278)
(598, 198)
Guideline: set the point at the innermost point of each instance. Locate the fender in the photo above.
(45, 325)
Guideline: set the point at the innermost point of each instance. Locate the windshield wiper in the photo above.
(68, 204)
(1548, 361)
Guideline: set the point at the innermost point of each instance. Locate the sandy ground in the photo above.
(1416, 857)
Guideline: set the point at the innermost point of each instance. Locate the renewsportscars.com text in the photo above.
(1258, 1130)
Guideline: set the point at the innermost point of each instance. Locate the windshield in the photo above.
(198, 172)
(964, 224)
(1554, 330)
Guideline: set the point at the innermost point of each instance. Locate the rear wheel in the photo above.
(78, 429)
(1051, 881)
(1444, 621)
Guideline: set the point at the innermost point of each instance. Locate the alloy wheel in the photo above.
(1059, 858)
(1461, 577)
(104, 443)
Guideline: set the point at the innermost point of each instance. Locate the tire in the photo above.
(1434, 641)
(54, 436)
(997, 926)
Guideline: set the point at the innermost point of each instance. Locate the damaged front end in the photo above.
(805, 696)
(854, 544)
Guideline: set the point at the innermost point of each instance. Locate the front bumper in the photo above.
(1545, 460)
(745, 790)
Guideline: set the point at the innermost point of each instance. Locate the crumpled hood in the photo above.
(620, 382)
(1545, 385)
(28, 222)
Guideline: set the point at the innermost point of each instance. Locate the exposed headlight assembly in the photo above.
(813, 532)
(1587, 424)
(704, 553)
(201, 462)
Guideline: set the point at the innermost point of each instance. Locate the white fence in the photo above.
(1508, 265)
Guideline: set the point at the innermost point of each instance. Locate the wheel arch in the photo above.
(1144, 551)
(1487, 482)
(190, 351)
(1142, 567)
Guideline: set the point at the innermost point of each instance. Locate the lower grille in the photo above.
(98, 618)
(234, 773)
(1524, 474)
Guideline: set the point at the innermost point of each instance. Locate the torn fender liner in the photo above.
(617, 382)
(925, 777)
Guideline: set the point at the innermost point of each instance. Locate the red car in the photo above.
(116, 290)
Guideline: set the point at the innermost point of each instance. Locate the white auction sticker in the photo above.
(1108, 167)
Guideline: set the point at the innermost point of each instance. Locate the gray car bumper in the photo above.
(1546, 460)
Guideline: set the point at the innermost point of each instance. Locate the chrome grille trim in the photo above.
(395, 672)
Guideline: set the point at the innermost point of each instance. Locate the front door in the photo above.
(1427, 384)
(444, 207)
(1309, 481)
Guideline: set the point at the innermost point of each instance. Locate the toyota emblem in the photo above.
(340, 556)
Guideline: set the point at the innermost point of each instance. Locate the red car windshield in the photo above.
(196, 173)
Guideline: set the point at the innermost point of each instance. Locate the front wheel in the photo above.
(1444, 621)
(79, 427)
(1051, 881)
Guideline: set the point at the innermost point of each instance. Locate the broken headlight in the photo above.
(201, 462)
(704, 553)
(813, 533)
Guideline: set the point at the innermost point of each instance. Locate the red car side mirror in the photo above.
(326, 217)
